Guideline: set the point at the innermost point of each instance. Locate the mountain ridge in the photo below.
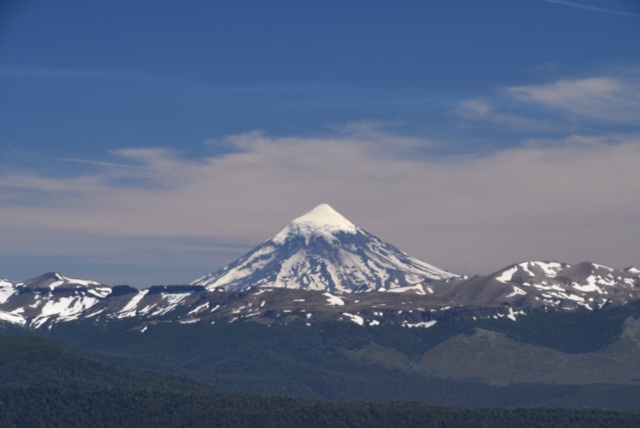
(512, 292)
(319, 268)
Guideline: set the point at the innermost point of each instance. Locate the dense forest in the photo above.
(290, 376)
(28, 407)
(34, 362)
(346, 362)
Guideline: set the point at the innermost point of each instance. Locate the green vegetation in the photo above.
(579, 332)
(61, 408)
(28, 361)
(112, 374)
(342, 361)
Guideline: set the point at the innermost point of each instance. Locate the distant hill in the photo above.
(590, 362)
(35, 362)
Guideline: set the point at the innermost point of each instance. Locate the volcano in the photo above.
(322, 250)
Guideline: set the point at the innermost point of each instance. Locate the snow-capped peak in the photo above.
(53, 280)
(322, 250)
(323, 221)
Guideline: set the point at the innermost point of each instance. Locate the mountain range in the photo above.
(320, 268)
(324, 309)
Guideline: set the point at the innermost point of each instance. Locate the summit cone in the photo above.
(322, 250)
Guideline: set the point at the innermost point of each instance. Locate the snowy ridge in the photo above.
(509, 293)
(53, 298)
(152, 302)
(322, 250)
(49, 297)
(54, 280)
(320, 268)
(12, 318)
(552, 285)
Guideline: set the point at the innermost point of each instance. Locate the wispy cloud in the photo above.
(548, 195)
(566, 200)
(608, 98)
(602, 98)
(593, 8)
(481, 110)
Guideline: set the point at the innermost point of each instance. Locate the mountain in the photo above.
(37, 299)
(53, 298)
(322, 268)
(326, 310)
(322, 250)
(515, 291)
(548, 285)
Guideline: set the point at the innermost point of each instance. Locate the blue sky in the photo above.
(154, 142)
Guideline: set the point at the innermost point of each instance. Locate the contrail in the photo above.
(596, 9)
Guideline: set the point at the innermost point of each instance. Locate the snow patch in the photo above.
(418, 288)
(130, 309)
(66, 308)
(550, 269)
(525, 267)
(424, 324)
(355, 318)
(101, 292)
(333, 300)
(198, 309)
(507, 275)
(6, 290)
(77, 281)
(516, 292)
(171, 300)
(12, 318)
(512, 314)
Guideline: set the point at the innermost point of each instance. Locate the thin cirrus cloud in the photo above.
(593, 8)
(603, 98)
(542, 201)
(606, 99)
(483, 110)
